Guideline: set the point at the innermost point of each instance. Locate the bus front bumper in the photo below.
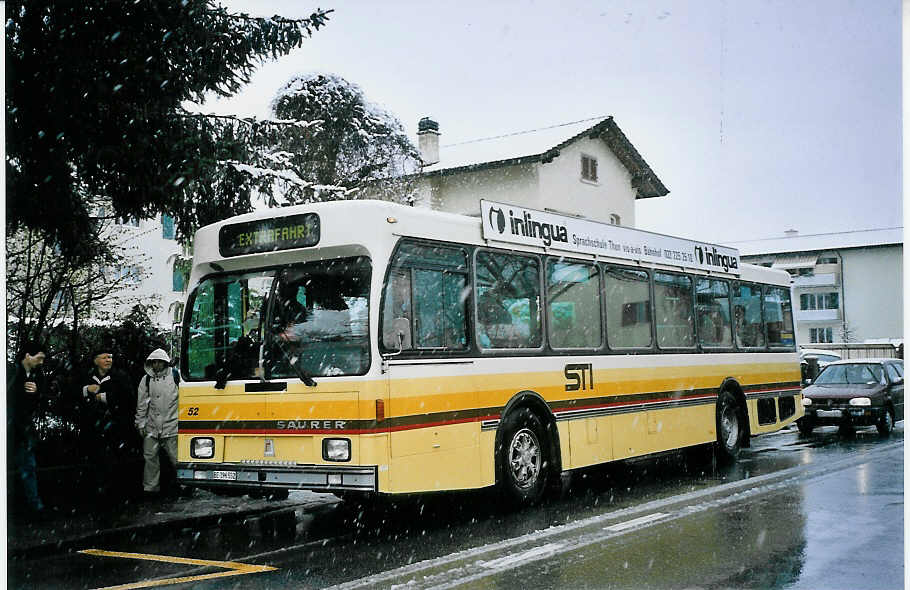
(325, 478)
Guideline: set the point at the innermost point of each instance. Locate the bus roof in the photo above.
(275, 236)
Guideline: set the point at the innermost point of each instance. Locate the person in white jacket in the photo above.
(156, 416)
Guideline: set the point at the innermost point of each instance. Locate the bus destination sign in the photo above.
(519, 225)
(269, 235)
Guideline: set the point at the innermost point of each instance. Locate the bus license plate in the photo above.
(232, 475)
(830, 414)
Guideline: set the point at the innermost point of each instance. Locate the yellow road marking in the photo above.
(234, 568)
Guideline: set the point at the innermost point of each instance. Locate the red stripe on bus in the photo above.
(634, 403)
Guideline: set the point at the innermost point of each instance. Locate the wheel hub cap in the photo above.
(524, 458)
(729, 424)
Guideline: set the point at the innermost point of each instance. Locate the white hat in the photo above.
(159, 355)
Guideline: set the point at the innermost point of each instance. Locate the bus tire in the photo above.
(524, 465)
(730, 427)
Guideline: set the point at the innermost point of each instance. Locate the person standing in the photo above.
(108, 398)
(156, 416)
(24, 387)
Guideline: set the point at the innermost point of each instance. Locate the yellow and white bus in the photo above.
(372, 347)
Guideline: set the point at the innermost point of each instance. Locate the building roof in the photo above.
(543, 145)
(864, 238)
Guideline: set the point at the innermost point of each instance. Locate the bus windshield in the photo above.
(308, 319)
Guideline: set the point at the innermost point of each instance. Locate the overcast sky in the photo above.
(759, 116)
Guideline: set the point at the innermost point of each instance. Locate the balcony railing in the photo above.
(820, 280)
(817, 315)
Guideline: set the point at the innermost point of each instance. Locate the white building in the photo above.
(587, 168)
(152, 245)
(847, 287)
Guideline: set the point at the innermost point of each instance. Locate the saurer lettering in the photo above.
(311, 424)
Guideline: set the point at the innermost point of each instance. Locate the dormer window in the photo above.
(615, 219)
(588, 168)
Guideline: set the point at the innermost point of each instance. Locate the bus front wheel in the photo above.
(523, 457)
(730, 427)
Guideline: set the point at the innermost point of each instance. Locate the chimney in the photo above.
(791, 233)
(428, 141)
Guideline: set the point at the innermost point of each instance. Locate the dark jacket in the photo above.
(120, 399)
(21, 407)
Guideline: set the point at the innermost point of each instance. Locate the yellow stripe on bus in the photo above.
(441, 394)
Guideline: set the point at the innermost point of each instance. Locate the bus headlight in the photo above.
(861, 401)
(807, 401)
(336, 449)
(202, 447)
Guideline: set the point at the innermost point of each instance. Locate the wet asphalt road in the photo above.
(824, 511)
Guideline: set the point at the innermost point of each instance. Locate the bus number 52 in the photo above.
(580, 377)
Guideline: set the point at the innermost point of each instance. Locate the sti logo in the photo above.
(497, 219)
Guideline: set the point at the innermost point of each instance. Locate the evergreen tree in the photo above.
(94, 110)
(343, 143)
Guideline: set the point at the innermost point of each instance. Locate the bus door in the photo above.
(431, 391)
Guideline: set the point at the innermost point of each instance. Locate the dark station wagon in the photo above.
(854, 393)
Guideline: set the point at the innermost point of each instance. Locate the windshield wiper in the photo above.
(307, 380)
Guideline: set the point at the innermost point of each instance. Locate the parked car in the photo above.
(855, 393)
(824, 357)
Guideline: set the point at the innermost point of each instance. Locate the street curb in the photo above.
(90, 540)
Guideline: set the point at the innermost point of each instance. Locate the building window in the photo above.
(167, 227)
(827, 260)
(812, 301)
(615, 219)
(179, 277)
(801, 272)
(177, 310)
(132, 274)
(820, 335)
(588, 168)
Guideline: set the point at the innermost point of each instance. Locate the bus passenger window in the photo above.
(747, 316)
(426, 299)
(508, 301)
(778, 315)
(712, 303)
(573, 305)
(673, 306)
(628, 297)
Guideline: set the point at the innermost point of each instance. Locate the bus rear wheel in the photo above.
(730, 427)
(524, 465)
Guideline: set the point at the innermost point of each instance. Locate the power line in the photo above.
(527, 131)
